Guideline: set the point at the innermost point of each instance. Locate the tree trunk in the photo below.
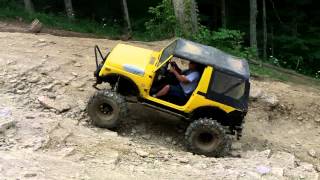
(69, 8)
(265, 33)
(29, 6)
(271, 39)
(223, 14)
(187, 15)
(126, 16)
(253, 25)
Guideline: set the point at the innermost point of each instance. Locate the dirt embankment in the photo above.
(45, 82)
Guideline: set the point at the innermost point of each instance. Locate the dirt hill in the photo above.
(45, 83)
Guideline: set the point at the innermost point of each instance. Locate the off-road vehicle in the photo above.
(215, 109)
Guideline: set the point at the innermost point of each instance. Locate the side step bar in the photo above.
(163, 110)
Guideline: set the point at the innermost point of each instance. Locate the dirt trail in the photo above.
(45, 82)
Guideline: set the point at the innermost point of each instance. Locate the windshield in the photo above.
(167, 52)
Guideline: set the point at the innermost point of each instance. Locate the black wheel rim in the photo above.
(206, 141)
(106, 109)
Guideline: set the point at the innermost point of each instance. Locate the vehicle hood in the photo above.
(130, 58)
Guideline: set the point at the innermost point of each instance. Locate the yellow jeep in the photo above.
(215, 109)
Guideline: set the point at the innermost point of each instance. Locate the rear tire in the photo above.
(106, 108)
(207, 137)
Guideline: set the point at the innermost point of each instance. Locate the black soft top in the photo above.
(208, 55)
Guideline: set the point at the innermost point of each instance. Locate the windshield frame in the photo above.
(167, 53)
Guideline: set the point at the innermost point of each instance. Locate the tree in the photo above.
(265, 33)
(126, 16)
(223, 14)
(253, 25)
(69, 8)
(29, 6)
(186, 12)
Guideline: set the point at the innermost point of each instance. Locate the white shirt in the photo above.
(193, 79)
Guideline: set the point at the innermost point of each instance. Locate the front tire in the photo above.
(106, 108)
(207, 137)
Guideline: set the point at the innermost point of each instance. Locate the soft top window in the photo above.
(228, 85)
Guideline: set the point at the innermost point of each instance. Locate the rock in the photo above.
(67, 81)
(51, 104)
(168, 139)
(317, 168)
(312, 153)
(141, 128)
(78, 84)
(6, 123)
(13, 81)
(300, 118)
(236, 154)
(82, 105)
(77, 64)
(25, 91)
(142, 153)
(146, 136)
(271, 100)
(30, 117)
(263, 170)
(317, 120)
(277, 171)
(257, 155)
(282, 159)
(236, 146)
(20, 86)
(111, 133)
(5, 112)
(29, 175)
(304, 171)
(74, 74)
(200, 165)
(48, 87)
(183, 160)
(36, 26)
(51, 95)
(69, 151)
(255, 93)
(34, 79)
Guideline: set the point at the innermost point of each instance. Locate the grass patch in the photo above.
(62, 22)
(266, 72)
(56, 21)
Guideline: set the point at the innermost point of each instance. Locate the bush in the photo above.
(163, 22)
(225, 39)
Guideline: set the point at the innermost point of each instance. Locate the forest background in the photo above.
(284, 33)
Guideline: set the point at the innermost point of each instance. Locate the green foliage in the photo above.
(222, 38)
(294, 25)
(225, 39)
(163, 22)
(317, 75)
(61, 22)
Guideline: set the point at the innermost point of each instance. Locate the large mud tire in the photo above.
(207, 137)
(106, 108)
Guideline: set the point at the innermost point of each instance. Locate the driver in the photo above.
(188, 81)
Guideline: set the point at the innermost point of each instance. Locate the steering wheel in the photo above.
(163, 71)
